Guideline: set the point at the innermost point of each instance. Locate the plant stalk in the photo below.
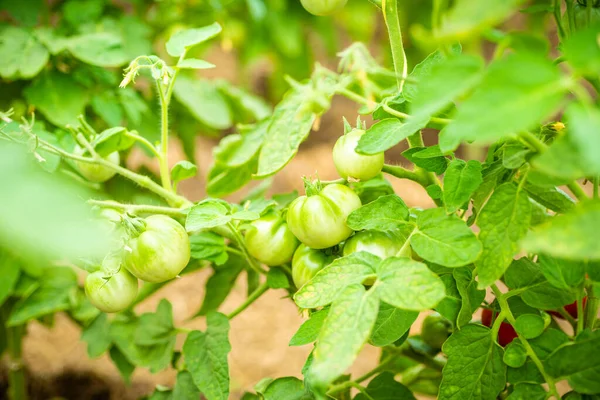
(17, 385)
(392, 21)
(251, 299)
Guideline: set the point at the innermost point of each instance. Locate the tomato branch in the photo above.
(593, 301)
(237, 237)
(251, 299)
(505, 309)
(139, 208)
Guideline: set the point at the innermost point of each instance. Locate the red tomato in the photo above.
(570, 308)
(506, 334)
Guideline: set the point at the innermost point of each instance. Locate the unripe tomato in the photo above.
(111, 293)
(381, 244)
(323, 7)
(435, 330)
(95, 172)
(506, 333)
(570, 308)
(319, 220)
(159, 253)
(270, 241)
(350, 164)
(306, 263)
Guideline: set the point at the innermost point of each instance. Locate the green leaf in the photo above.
(470, 296)
(444, 239)
(574, 361)
(288, 388)
(102, 49)
(185, 388)
(289, 126)
(97, 336)
(386, 213)
(277, 279)
(245, 215)
(550, 197)
(514, 155)
(423, 71)
(560, 273)
(528, 391)
(155, 328)
(111, 140)
(204, 102)
(238, 149)
(108, 107)
(344, 333)
(584, 123)
(247, 106)
(515, 354)
(206, 357)
(539, 293)
(530, 325)
(194, 63)
(224, 180)
(79, 13)
(460, 182)
(474, 368)
(10, 272)
(183, 40)
(183, 170)
(466, 19)
(52, 296)
(582, 51)
(124, 366)
(309, 330)
(428, 158)
(21, 54)
(58, 97)
(385, 387)
(408, 284)
(323, 288)
(446, 81)
(371, 190)
(517, 103)
(209, 246)
(207, 214)
(220, 284)
(503, 222)
(571, 236)
(391, 324)
(388, 132)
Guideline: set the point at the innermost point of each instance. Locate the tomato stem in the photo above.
(139, 208)
(17, 385)
(558, 18)
(251, 299)
(242, 245)
(591, 306)
(505, 309)
(165, 175)
(392, 22)
(580, 314)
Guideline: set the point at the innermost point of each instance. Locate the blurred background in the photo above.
(61, 59)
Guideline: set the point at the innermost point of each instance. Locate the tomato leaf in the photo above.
(550, 197)
(185, 388)
(185, 39)
(286, 388)
(408, 284)
(327, 283)
(207, 214)
(183, 170)
(475, 367)
(562, 273)
(22, 55)
(10, 272)
(428, 158)
(112, 139)
(386, 213)
(572, 235)
(204, 102)
(194, 63)
(97, 336)
(220, 284)
(529, 391)
(309, 330)
(344, 333)
(460, 182)
(205, 356)
(102, 49)
(539, 293)
(208, 246)
(388, 132)
(503, 222)
(517, 103)
(385, 387)
(155, 328)
(444, 239)
(391, 324)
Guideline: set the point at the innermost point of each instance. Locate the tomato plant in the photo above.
(509, 165)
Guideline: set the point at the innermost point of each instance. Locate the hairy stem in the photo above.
(138, 208)
(530, 352)
(237, 237)
(593, 302)
(251, 299)
(165, 175)
(558, 18)
(392, 21)
(17, 385)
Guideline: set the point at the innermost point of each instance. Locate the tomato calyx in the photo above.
(134, 226)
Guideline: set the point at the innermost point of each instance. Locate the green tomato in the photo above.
(111, 293)
(270, 241)
(435, 330)
(319, 220)
(159, 253)
(323, 7)
(381, 244)
(306, 263)
(95, 172)
(350, 164)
